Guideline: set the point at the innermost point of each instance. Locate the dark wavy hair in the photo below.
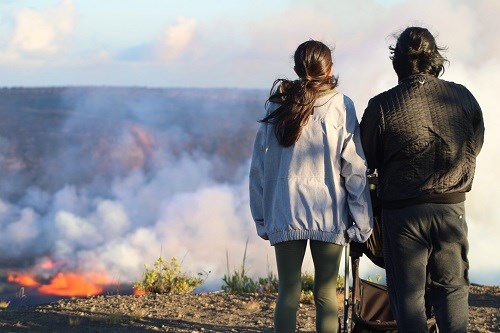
(416, 52)
(313, 65)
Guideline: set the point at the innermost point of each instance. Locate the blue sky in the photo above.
(224, 43)
(248, 44)
(214, 43)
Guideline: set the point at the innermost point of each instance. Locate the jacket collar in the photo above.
(419, 77)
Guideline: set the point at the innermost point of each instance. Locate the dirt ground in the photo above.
(195, 313)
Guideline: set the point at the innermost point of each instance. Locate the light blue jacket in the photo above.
(317, 188)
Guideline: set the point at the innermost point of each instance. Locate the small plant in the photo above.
(269, 284)
(340, 281)
(74, 321)
(114, 317)
(308, 286)
(239, 282)
(307, 294)
(377, 278)
(138, 314)
(167, 278)
(4, 305)
(307, 280)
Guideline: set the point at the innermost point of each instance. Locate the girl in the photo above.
(308, 182)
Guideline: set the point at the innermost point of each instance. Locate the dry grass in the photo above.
(252, 306)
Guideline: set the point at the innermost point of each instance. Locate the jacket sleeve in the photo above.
(478, 126)
(257, 182)
(353, 170)
(370, 128)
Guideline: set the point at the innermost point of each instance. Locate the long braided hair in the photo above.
(313, 65)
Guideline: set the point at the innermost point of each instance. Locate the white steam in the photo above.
(122, 187)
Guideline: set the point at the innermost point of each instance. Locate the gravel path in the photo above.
(195, 313)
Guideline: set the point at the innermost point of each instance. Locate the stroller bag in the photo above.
(369, 304)
(371, 312)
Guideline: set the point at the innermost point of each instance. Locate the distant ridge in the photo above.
(39, 122)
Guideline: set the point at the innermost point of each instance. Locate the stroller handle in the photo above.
(345, 328)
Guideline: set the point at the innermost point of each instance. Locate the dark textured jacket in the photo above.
(423, 137)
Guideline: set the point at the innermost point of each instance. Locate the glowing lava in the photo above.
(24, 280)
(65, 283)
(70, 284)
(139, 292)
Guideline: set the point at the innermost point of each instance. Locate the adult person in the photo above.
(423, 136)
(308, 182)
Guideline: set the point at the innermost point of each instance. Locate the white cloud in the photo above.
(176, 43)
(40, 33)
(177, 39)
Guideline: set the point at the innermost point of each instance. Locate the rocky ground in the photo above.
(194, 313)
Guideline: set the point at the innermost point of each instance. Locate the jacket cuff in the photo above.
(261, 229)
(357, 235)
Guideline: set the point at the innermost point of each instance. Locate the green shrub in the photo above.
(269, 284)
(307, 280)
(307, 294)
(340, 281)
(4, 305)
(239, 282)
(377, 278)
(167, 278)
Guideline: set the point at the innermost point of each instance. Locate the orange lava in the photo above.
(24, 280)
(139, 292)
(65, 283)
(72, 284)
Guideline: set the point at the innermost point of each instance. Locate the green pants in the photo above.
(326, 258)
